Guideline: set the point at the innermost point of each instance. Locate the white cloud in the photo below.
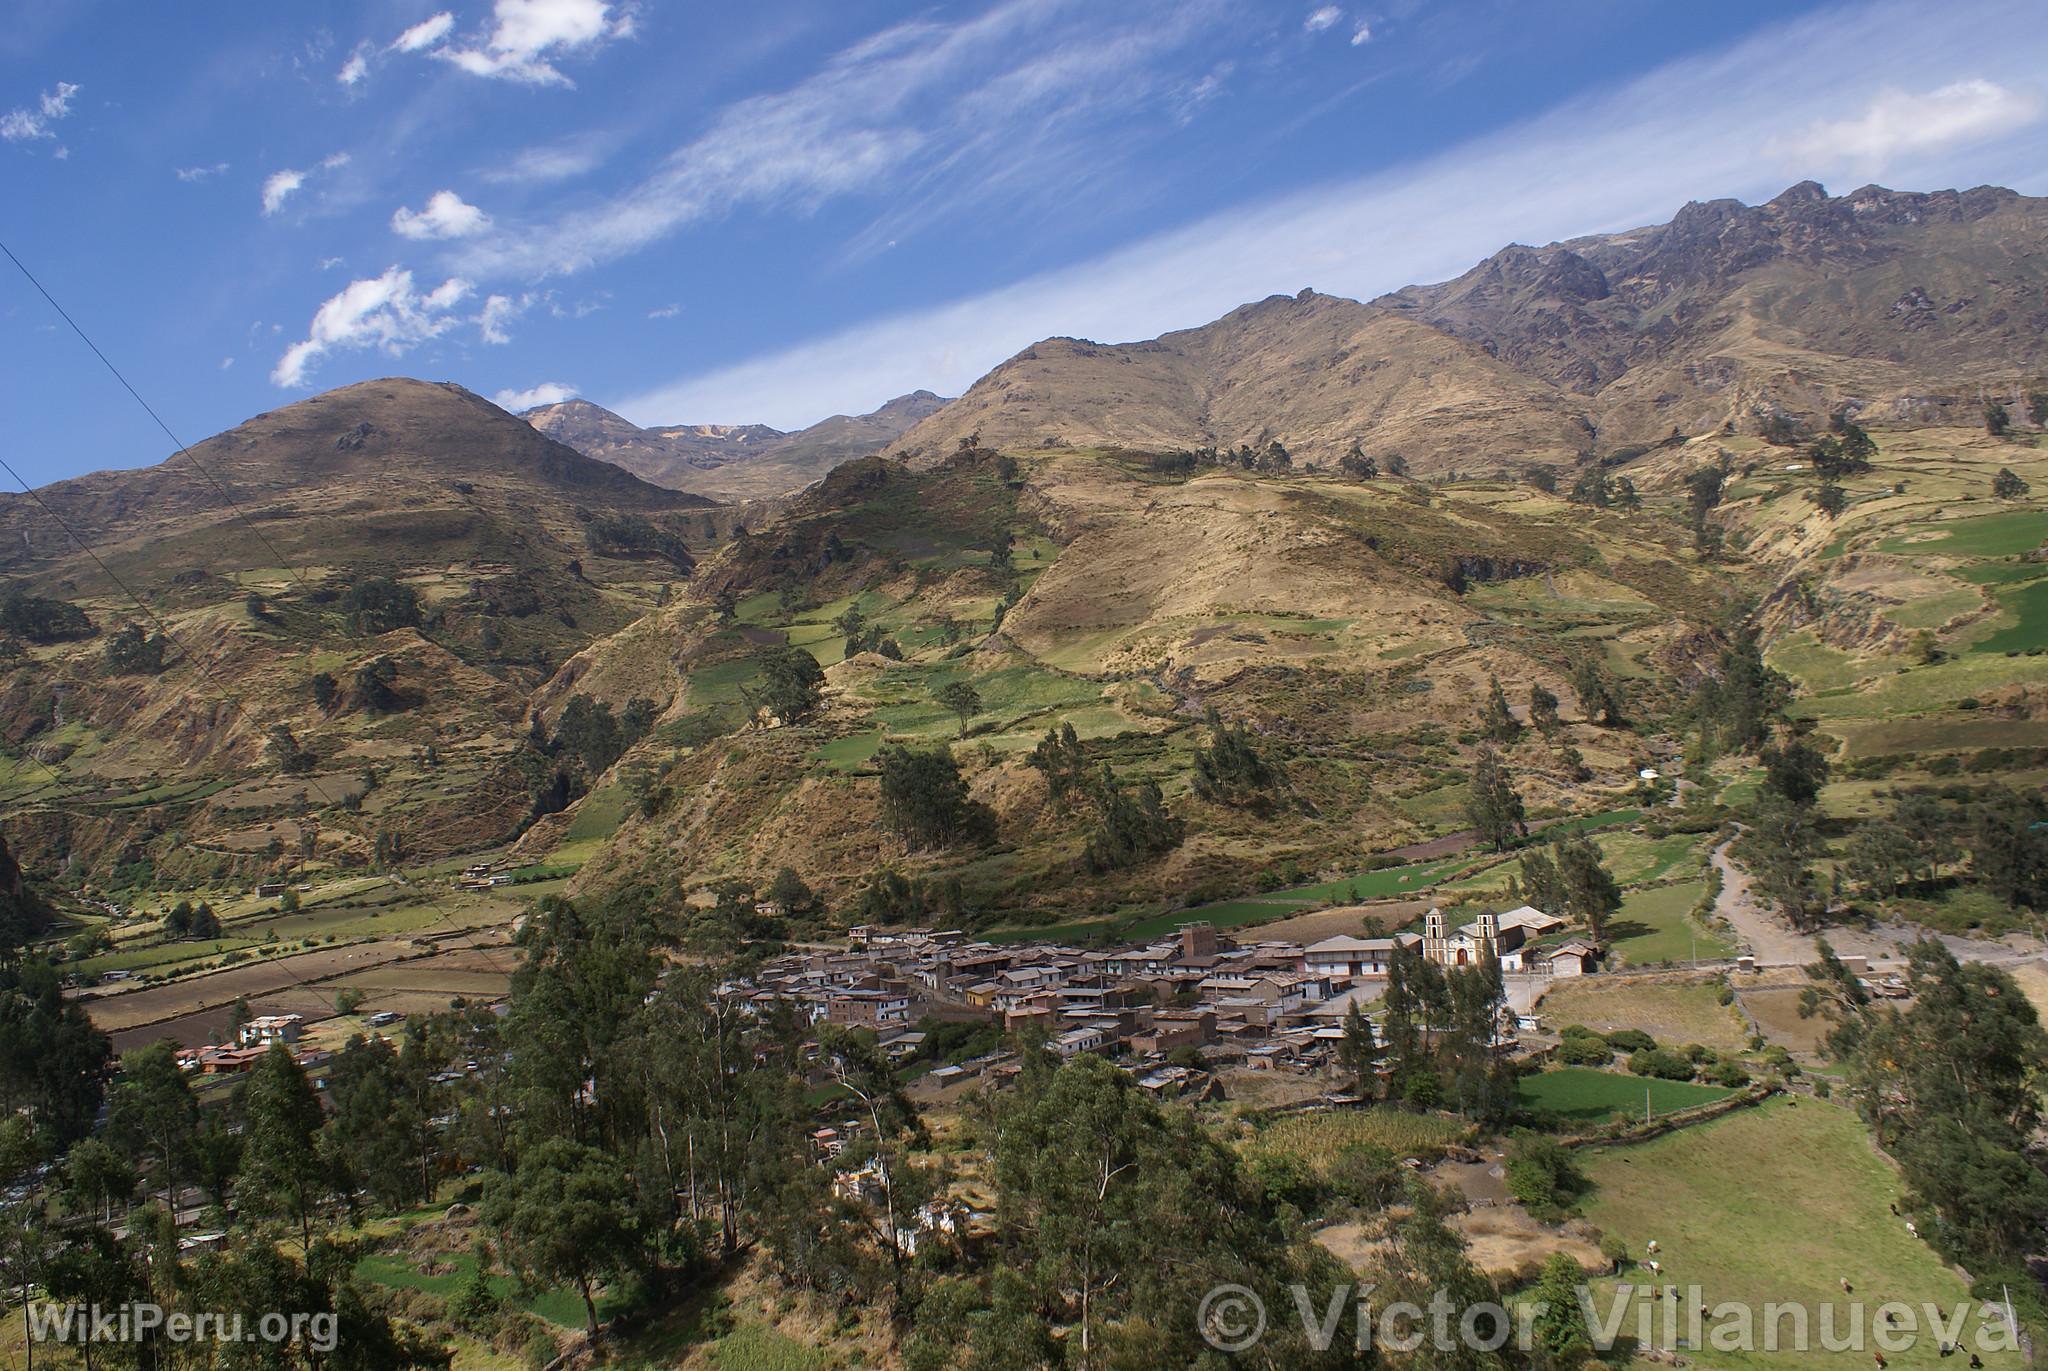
(279, 187)
(1321, 19)
(539, 165)
(546, 393)
(1361, 36)
(1899, 123)
(526, 35)
(424, 34)
(356, 68)
(25, 125)
(1601, 163)
(445, 215)
(383, 312)
(227, 363)
(665, 312)
(493, 324)
(197, 174)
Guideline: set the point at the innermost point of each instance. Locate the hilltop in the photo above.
(1904, 306)
(426, 555)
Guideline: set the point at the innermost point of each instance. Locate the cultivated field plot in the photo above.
(1675, 1013)
(1590, 1096)
(1773, 1001)
(1777, 1203)
(195, 1010)
(1317, 1138)
(1656, 925)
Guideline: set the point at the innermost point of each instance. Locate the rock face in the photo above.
(1899, 303)
(730, 461)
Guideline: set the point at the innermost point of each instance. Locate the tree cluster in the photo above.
(135, 652)
(40, 619)
(633, 536)
(925, 801)
(378, 604)
(1951, 1085)
(1232, 770)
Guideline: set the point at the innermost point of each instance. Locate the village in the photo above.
(1262, 1006)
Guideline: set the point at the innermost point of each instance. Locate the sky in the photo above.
(774, 212)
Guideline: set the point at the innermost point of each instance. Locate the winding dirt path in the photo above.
(1776, 943)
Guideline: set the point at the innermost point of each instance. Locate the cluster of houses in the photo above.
(1276, 1005)
(252, 1040)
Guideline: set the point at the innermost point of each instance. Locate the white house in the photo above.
(1353, 957)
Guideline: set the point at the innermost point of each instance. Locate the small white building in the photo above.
(271, 1028)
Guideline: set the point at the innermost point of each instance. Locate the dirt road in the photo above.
(1775, 943)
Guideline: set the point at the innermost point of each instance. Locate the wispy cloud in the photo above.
(546, 393)
(926, 114)
(665, 312)
(445, 215)
(356, 67)
(494, 324)
(279, 187)
(34, 122)
(194, 175)
(425, 34)
(384, 312)
(1323, 18)
(1899, 124)
(1600, 163)
(561, 161)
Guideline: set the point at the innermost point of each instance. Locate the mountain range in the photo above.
(400, 592)
(730, 461)
(1903, 306)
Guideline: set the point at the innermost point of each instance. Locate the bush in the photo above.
(1542, 1174)
(1662, 1064)
(1729, 1073)
(1584, 1049)
(1630, 1040)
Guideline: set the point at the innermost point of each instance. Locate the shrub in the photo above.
(1542, 1174)
(1584, 1050)
(1630, 1040)
(1662, 1064)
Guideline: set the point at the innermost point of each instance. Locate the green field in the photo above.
(1779, 1203)
(1656, 925)
(2028, 604)
(398, 1272)
(1590, 1096)
(1986, 535)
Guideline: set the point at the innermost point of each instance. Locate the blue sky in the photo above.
(779, 211)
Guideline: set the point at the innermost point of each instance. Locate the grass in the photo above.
(1589, 1096)
(2028, 604)
(1317, 1138)
(1986, 535)
(757, 1347)
(1656, 925)
(1674, 1015)
(1773, 1204)
(397, 1272)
